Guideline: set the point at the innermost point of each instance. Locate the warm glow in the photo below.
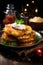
(36, 10)
(33, 1)
(25, 9)
(27, 4)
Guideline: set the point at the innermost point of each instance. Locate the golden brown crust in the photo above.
(27, 43)
(27, 36)
(8, 38)
(11, 31)
(27, 40)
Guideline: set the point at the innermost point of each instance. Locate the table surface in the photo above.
(7, 61)
(4, 61)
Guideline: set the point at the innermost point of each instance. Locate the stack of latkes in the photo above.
(22, 37)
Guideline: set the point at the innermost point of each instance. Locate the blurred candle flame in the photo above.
(27, 4)
(33, 1)
(25, 9)
(36, 10)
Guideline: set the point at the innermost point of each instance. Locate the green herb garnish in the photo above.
(9, 43)
(13, 44)
(21, 21)
(4, 42)
(37, 38)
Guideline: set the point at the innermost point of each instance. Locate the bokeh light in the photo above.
(32, 1)
(25, 9)
(36, 10)
(27, 4)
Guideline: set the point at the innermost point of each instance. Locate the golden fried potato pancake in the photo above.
(11, 31)
(8, 38)
(24, 37)
(27, 36)
(27, 44)
(27, 40)
(28, 29)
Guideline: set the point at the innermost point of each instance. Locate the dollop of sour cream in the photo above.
(18, 26)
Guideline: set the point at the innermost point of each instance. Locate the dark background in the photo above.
(18, 6)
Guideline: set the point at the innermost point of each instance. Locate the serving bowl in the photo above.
(36, 26)
(36, 23)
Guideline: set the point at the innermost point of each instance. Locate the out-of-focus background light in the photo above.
(36, 10)
(25, 9)
(27, 4)
(33, 7)
(32, 1)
